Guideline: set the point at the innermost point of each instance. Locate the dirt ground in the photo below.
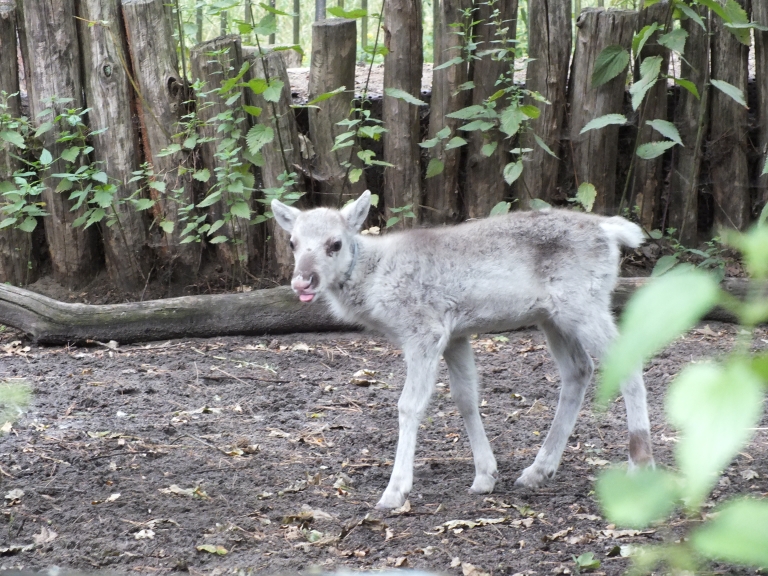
(241, 455)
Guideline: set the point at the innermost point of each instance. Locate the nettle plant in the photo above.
(715, 406)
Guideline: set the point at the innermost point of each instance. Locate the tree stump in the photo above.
(549, 47)
(402, 71)
(53, 61)
(594, 153)
(109, 96)
(334, 53)
(213, 63)
(484, 186)
(161, 106)
(441, 195)
(18, 259)
(760, 15)
(647, 180)
(727, 146)
(691, 119)
(281, 156)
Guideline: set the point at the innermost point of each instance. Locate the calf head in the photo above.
(323, 243)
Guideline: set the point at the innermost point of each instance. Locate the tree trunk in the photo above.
(441, 197)
(760, 15)
(692, 121)
(271, 311)
(18, 259)
(160, 106)
(334, 51)
(647, 180)
(727, 146)
(109, 94)
(53, 58)
(549, 47)
(402, 70)
(213, 70)
(484, 185)
(594, 153)
(281, 156)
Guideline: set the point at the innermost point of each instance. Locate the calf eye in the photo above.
(336, 246)
(291, 245)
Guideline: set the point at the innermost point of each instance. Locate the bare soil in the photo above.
(265, 451)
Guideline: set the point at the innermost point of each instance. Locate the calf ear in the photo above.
(285, 215)
(356, 212)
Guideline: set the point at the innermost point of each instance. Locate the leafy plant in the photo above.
(14, 397)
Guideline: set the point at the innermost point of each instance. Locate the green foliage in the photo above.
(611, 62)
(15, 395)
(731, 91)
(603, 121)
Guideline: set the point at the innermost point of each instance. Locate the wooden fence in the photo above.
(119, 59)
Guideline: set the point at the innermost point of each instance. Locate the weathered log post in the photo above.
(109, 96)
(549, 48)
(727, 146)
(18, 258)
(441, 195)
(760, 15)
(214, 62)
(402, 71)
(334, 51)
(485, 186)
(281, 156)
(53, 61)
(594, 153)
(647, 179)
(160, 107)
(691, 119)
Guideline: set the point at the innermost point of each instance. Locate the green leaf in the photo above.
(266, 26)
(586, 562)
(688, 85)
(649, 74)
(666, 129)
(512, 171)
(736, 16)
(43, 128)
(7, 222)
(405, 96)
(28, 224)
(639, 40)
(451, 62)
(326, 95)
(143, 204)
(210, 199)
(202, 175)
(218, 240)
(737, 534)
(586, 195)
(241, 210)
(167, 226)
(13, 138)
(501, 208)
(259, 136)
(544, 146)
(655, 315)
(254, 111)
(339, 12)
(488, 149)
(273, 92)
(638, 498)
(444, 132)
(691, 13)
(257, 85)
(664, 264)
(482, 125)
(674, 40)
(611, 62)
(100, 177)
(531, 111)
(355, 174)
(511, 118)
(392, 221)
(603, 121)
(752, 245)
(103, 198)
(46, 158)
(715, 6)
(539, 204)
(432, 142)
(212, 548)
(435, 167)
(468, 113)
(455, 142)
(158, 185)
(714, 406)
(730, 90)
(651, 150)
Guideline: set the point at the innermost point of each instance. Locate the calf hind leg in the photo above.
(461, 368)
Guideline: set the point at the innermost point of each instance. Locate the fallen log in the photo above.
(270, 311)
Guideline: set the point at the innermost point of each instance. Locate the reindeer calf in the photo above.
(428, 290)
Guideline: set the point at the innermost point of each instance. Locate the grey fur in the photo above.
(428, 290)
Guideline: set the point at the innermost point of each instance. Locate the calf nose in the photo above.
(301, 283)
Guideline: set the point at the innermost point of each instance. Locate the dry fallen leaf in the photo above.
(145, 534)
(14, 496)
(406, 507)
(470, 570)
(195, 492)
(559, 535)
(45, 536)
(213, 549)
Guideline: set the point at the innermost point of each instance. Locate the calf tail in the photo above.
(622, 231)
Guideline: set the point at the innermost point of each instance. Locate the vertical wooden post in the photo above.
(213, 71)
(109, 94)
(594, 153)
(484, 185)
(160, 107)
(56, 72)
(334, 47)
(199, 24)
(441, 194)
(691, 119)
(402, 70)
(296, 22)
(727, 146)
(282, 155)
(647, 178)
(18, 258)
(760, 15)
(549, 48)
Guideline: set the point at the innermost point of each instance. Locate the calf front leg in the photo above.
(421, 364)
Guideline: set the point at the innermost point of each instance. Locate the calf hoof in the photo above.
(391, 500)
(484, 483)
(534, 477)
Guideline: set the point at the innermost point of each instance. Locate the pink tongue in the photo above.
(306, 297)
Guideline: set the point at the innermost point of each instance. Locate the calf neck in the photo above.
(428, 290)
